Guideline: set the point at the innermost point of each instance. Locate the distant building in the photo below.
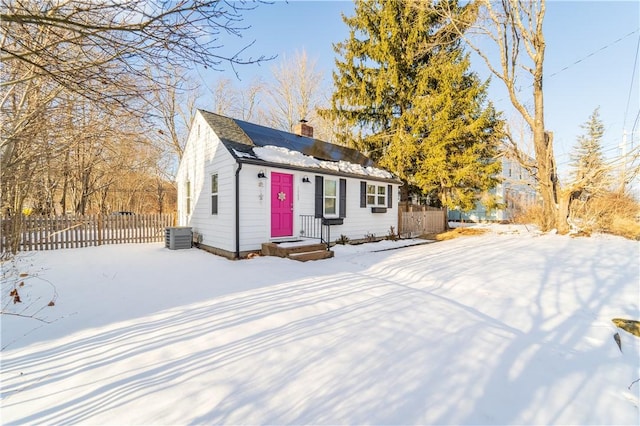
(517, 192)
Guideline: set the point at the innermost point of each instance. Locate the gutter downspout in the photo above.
(237, 254)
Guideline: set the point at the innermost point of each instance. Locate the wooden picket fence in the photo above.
(415, 220)
(58, 232)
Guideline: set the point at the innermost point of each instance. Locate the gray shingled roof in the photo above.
(241, 136)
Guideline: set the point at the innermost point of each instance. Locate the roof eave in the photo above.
(315, 170)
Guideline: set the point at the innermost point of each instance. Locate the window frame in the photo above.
(214, 193)
(371, 194)
(374, 198)
(188, 196)
(335, 197)
(382, 196)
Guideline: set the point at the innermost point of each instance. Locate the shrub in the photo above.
(392, 234)
(342, 240)
(533, 214)
(609, 212)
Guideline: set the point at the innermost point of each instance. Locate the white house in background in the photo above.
(242, 184)
(516, 192)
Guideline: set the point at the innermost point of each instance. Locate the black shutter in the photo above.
(343, 198)
(389, 199)
(319, 196)
(363, 194)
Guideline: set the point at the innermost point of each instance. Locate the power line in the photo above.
(602, 151)
(595, 51)
(633, 75)
(635, 123)
(584, 58)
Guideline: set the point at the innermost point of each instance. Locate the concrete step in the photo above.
(311, 255)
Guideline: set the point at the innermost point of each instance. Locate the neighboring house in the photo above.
(516, 192)
(242, 184)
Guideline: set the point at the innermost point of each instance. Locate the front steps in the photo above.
(301, 252)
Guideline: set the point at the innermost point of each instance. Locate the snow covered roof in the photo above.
(274, 154)
(253, 143)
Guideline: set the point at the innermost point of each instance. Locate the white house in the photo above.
(241, 185)
(516, 192)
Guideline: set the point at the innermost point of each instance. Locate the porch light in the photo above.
(261, 175)
(305, 179)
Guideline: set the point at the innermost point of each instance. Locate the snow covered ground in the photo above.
(511, 327)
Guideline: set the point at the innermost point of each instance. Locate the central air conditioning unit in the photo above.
(177, 237)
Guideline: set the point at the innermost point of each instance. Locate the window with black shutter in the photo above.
(378, 197)
(330, 197)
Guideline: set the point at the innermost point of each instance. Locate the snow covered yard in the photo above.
(505, 328)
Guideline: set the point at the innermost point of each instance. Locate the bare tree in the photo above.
(224, 97)
(116, 38)
(295, 94)
(173, 110)
(515, 30)
(77, 64)
(249, 100)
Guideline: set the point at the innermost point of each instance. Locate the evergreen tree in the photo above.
(589, 173)
(403, 82)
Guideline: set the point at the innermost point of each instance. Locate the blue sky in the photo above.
(586, 63)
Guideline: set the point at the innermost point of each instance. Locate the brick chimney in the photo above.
(302, 129)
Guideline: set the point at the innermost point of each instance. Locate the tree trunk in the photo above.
(564, 208)
(548, 180)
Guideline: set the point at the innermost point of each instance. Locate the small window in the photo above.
(371, 195)
(214, 193)
(330, 197)
(188, 192)
(376, 195)
(382, 197)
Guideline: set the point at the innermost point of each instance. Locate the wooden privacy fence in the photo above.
(414, 220)
(57, 232)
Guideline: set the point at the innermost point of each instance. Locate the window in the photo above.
(330, 197)
(371, 195)
(188, 192)
(376, 195)
(214, 193)
(382, 195)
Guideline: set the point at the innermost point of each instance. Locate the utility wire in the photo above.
(611, 162)
(602, 151)
(586, 57)
(596, 51)
(633, 75)
(635, 123)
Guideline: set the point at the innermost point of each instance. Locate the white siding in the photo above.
(255, 204)
(360, 221)
(203, 156)
(255, 207)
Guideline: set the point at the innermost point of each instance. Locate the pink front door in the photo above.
(281, 204)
